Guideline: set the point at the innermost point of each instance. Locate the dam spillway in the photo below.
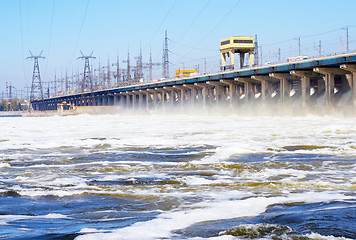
(318, 83)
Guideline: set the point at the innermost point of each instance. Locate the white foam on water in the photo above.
(195, 181)
(6, 219)
(223, 237)
(163, 225)
(49, 147)
(317, 236)
(4, 165)
(231, 134)
(90, 230)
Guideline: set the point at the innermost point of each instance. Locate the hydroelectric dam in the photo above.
(318, 83)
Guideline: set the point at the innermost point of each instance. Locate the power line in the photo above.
(80, 31)
(191, 47)
(308, 36)
(160, 25)
(23, 57)
(215, 26)
(196, 18)
(50, 36)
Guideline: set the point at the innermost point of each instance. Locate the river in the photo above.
(177, 177)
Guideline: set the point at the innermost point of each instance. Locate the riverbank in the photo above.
(13, 113)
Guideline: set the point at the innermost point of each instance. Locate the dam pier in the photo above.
(318, 83)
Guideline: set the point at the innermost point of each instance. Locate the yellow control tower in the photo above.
(241, 45)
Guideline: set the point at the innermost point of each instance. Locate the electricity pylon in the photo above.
(87, 80)
(36, 87)
(165, 60)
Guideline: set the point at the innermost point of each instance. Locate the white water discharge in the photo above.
(219, 178)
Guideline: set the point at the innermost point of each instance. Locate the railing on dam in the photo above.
(327, 81)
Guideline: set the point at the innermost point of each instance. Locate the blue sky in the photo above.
(61, 28)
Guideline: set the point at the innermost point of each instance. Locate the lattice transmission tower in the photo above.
(256, 52)
(150, 66)
(165, 61)
(36, 87)
(87, 79)
(128, 72)
(117, 75)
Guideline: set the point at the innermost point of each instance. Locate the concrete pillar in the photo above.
(305, 79)
(192, 91)
(203, 93)
(155, 98)
(111, 100)
(170, 92)
(108, 100)
(199, 93)
(128, 100)
(329, 82)
(140, 101)
(150, 103)
(163, 98)
(247, 88)
(116, 99)
(252, 58)
(223, 60)
(148, 96)
(182, 97)
(285, 89)
(232, 94)
(242, 59)
(232, 59)
(231, 91)
(330, 85)
(230, 54)
(321, 85)
(192, 95)
(220, 93)
(122, 100)
(247, 91)
(284, 86)
(172, 97)
(134, 101)
(211, 95)
(305, 91)
(181, 91)
(119, 99)
(265, 87)
(351, 78)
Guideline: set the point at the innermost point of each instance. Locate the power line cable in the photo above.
(307, 36)
(22, 52)
(195, 19)
(160, 25)
(214, 27)
(50, 36)
(80, 30)
(190, 47)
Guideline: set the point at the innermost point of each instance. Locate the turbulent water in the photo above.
(177, 177)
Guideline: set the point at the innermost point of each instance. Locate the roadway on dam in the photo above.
(331, 76)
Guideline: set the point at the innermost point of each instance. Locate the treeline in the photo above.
(14, 105)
